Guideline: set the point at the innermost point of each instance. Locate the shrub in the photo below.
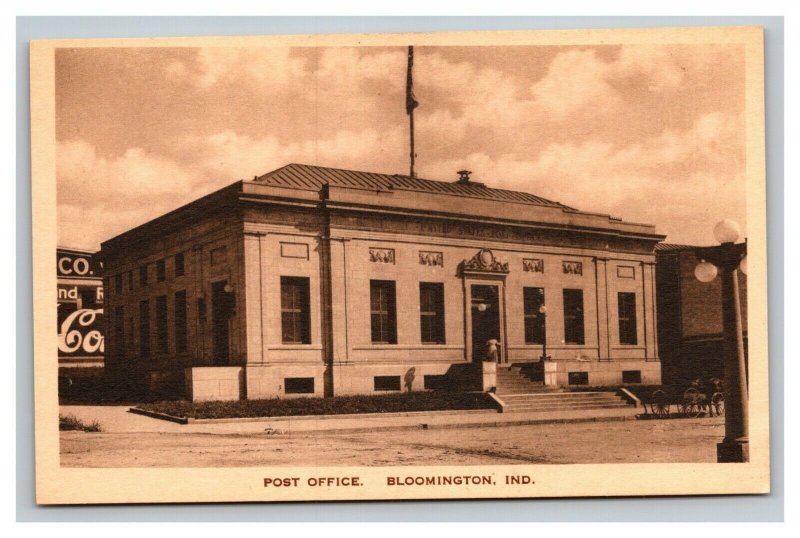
(72, 423)
(338, 405)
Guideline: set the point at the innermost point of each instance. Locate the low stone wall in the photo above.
(206, 383)
(285, 381)
(600, 373)
(297, 381)
(356, 378)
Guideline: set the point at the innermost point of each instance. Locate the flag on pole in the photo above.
(411, 102)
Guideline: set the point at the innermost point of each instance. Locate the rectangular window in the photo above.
(180, 322)
(118, 283)
(533, 300)
(295, 316)
(144, 328)
(431, 312)
(626, 306)
(119, 330)
(383, 311)
(434, 382)
(631, 376)
(573, 317)
(578, 378)
(143, 275)
(130, 280)
(161, 324)
(387, 382)
(179, 267)
(298, 385)
(161, 270)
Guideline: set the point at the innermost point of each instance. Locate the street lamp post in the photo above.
(543, 312)
(728, 258)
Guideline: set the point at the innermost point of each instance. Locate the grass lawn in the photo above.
(338, 405)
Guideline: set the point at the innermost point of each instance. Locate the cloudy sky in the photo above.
(647, 133)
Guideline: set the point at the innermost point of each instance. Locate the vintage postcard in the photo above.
(400, 266)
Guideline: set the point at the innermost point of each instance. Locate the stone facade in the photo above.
(286, 275)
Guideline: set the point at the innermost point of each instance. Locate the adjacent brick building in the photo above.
(690, 317)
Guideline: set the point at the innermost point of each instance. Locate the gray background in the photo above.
(710, 508)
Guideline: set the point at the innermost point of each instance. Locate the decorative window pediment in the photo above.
(381, 255)
(484, 262)
(572, 268)
(433, 259)
(533, 265)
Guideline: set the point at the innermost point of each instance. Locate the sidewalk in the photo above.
(117, 419)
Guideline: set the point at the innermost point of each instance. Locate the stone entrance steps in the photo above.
(559, 401)
(519, 388)
(521, 379)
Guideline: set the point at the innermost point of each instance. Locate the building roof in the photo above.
(334, 189)
(673, 247)
(308, 177)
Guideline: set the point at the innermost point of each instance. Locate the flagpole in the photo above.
(411, 123)
(411, 104)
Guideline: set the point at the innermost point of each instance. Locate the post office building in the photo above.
(319, 281)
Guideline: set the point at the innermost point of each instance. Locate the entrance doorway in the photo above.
(485, 303)
(221, 309)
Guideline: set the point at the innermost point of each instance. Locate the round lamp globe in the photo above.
(705, 271)
(727, 231)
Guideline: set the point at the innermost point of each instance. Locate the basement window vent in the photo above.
(299, 385)
(387, 382)
(631, 376)
(578, 378)
(435, 382)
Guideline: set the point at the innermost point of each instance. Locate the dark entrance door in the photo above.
(485, 319)
(220, 314)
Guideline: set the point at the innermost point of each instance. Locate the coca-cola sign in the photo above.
(80, 331)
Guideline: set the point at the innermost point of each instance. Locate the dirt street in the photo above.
(686, 440)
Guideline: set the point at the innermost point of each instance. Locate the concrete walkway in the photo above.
(117, 419)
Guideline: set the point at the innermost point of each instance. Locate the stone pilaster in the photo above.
(603, 329)
(254, 297)
(649, 309)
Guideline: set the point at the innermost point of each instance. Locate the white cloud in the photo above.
(268, 66)
(657, 63)
(574, 79)
(85, 175)
(460, 97)
(577, 79)
(99, 196)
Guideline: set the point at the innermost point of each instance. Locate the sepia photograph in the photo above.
(400, 266)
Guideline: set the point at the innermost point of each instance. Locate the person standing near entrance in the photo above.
(492, 354)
